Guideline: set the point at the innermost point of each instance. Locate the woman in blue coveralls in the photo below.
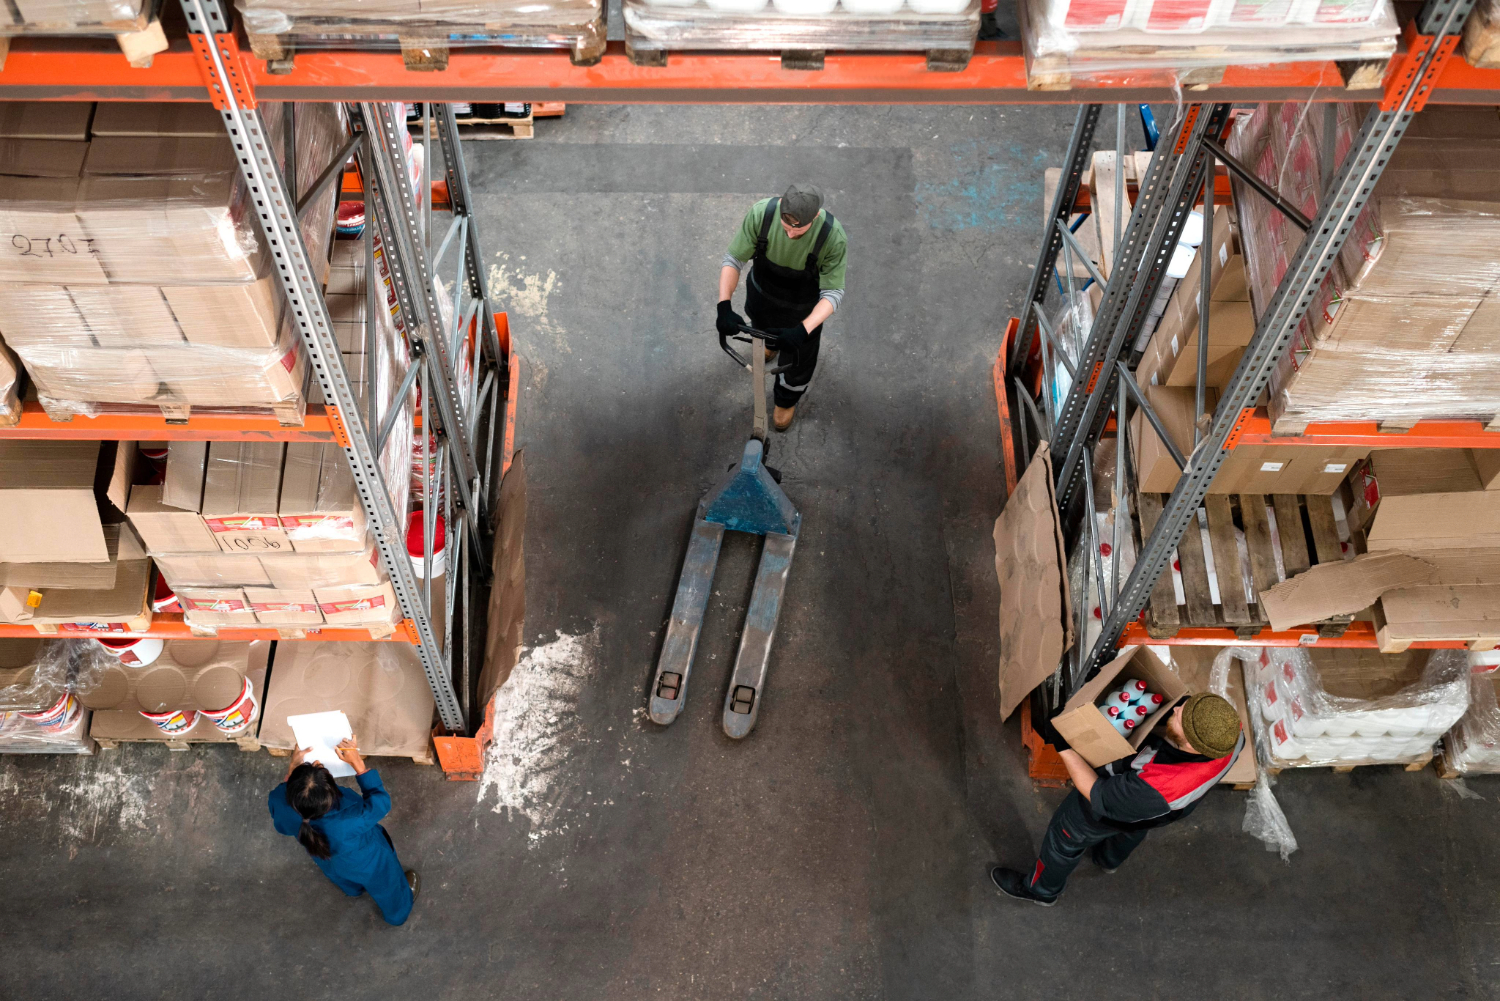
(342, 832)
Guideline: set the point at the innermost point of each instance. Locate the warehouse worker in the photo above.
(341, 830)
(796, 283)
(1110, 811)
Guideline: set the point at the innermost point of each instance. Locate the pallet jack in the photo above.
(749, 499)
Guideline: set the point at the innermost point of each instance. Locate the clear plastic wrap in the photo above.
(1473, 745)
(278, 27)
(1407, 324)
(1351, 706)
(1482, 35)
(144, 281)
(40, 712)
(102, 16)
(10, 387)
(947, 26)
(1072, 38)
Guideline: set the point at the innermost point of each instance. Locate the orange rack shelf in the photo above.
(71, 69)
(170, 626)
(1359, 636)
(1254, 428)
(322, 424)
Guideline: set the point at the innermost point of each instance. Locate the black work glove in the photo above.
(729, 322)
(1054, 738)
(789, 337)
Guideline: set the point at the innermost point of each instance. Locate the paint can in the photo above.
(415, 545)
(138, 651)
(57, 718)
(238, 715)
(173, 722)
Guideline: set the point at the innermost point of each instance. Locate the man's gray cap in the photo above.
(801, 203)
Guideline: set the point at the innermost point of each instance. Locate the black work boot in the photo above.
(1094, 857)
(415, 882)
(1013, 884)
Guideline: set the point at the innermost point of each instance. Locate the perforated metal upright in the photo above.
(395, 212)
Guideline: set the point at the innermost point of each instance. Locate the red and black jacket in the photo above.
(1158, 786)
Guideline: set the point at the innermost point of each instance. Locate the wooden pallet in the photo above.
(938, 60)
(1307, 535)
(288, 413)
(1415, 765)
(488, 128)
(425, 44)
(427, 759)
(1446, 769)
(202, 733)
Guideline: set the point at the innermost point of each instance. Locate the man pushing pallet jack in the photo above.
(795, 284)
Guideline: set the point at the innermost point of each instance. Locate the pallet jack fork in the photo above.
(750, 500)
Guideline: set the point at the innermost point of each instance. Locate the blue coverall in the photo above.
(363, 859)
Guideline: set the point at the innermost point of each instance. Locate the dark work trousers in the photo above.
(765, 313)
(1072, 831)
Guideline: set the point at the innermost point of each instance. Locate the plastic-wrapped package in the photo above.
(1473, 745)
(1407, 324)
(1066, 39)
(1347, 707)
(143, 280)
(40, 712)
(278, 27)
(945, 29)
(10, 387)
(68, 16)
(1482, 35)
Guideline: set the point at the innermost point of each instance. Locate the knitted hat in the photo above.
(1211, 725)
(801, 203)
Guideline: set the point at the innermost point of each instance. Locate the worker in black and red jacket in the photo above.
(1111, 809)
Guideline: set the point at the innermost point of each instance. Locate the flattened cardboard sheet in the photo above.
(1342, 587)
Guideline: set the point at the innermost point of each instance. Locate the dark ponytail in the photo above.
(312, 792)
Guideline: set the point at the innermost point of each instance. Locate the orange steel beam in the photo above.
(74, 69)
(170, 626)
(1254, 428)
(1359, 635)
(322, 424)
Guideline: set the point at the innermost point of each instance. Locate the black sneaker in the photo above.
(1094, 858)
(1013, 884)
(415, 882)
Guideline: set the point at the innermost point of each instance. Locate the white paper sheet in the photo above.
(320, 733)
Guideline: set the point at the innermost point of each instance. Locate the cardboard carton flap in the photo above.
(1035, 610)
(507, 611)
(1342, 587)
(1463, 520)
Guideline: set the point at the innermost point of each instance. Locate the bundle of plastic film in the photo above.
(277, 26)
(39, 685)
(1065, 39)
(322, 130)
(1071, 324)
(935, 26)
(75, 374)
(10, 387)
(102, 16)
(1473, 745)
(1352, 706)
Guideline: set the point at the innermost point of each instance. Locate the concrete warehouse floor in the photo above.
(840, 851)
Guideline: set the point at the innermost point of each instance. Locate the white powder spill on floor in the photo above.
(537, 727)
(529, 296)
(113, 794)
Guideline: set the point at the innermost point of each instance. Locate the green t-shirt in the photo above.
(789, 253)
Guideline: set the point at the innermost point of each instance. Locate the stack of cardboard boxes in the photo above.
(67, 556)
(1407, 324)
(265, 532)
(132, 270)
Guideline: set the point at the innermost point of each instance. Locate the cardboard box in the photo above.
(128, 599)
(126, 316)
(1089, 732)
(360, 606)
(212, 570)
(220, 606)
(300, 571)
(1468, 612)
(1423, 523)
(1487, 465)
(320, 507)
(274, 607)
(189, 674)
(241, 495)
(187, 466)
(48, 509)
(15, 606)
(42, 157)
(130, 725)
(92, 375)
(380, 686)
(41, 316)
(163, 156)
(42, 239)
(157, 118)
(49, 120)
(1401, 472)
(167, 529)
(246, 315)
(235, 377)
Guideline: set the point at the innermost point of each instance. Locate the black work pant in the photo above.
(791, 384)
(1072, 831)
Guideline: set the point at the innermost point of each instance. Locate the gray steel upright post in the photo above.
(277, 213)
(1336, 216)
